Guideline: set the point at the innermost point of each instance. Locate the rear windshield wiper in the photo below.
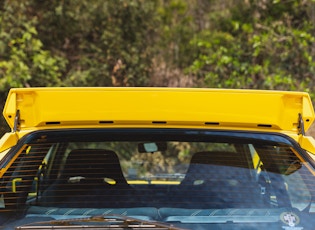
(99, 222)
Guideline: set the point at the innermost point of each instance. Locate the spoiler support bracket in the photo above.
(16, 121)
(301, 125)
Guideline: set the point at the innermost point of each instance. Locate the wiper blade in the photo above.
(222, 219)
(99, 222)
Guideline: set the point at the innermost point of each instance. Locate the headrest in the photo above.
(93, 163)
(219, 158)
(215, 166)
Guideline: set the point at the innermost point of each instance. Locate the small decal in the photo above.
(291, 220)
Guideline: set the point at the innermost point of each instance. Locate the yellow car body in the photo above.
(147, 125)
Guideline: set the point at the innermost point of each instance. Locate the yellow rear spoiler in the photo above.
(41, 108)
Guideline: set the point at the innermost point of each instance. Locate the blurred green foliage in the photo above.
(271, 48)
(208, 43)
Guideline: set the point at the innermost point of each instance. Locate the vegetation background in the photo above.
(255, 44)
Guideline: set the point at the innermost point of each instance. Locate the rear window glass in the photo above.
(175, 173)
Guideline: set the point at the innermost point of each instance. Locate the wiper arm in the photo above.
(99, 222)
